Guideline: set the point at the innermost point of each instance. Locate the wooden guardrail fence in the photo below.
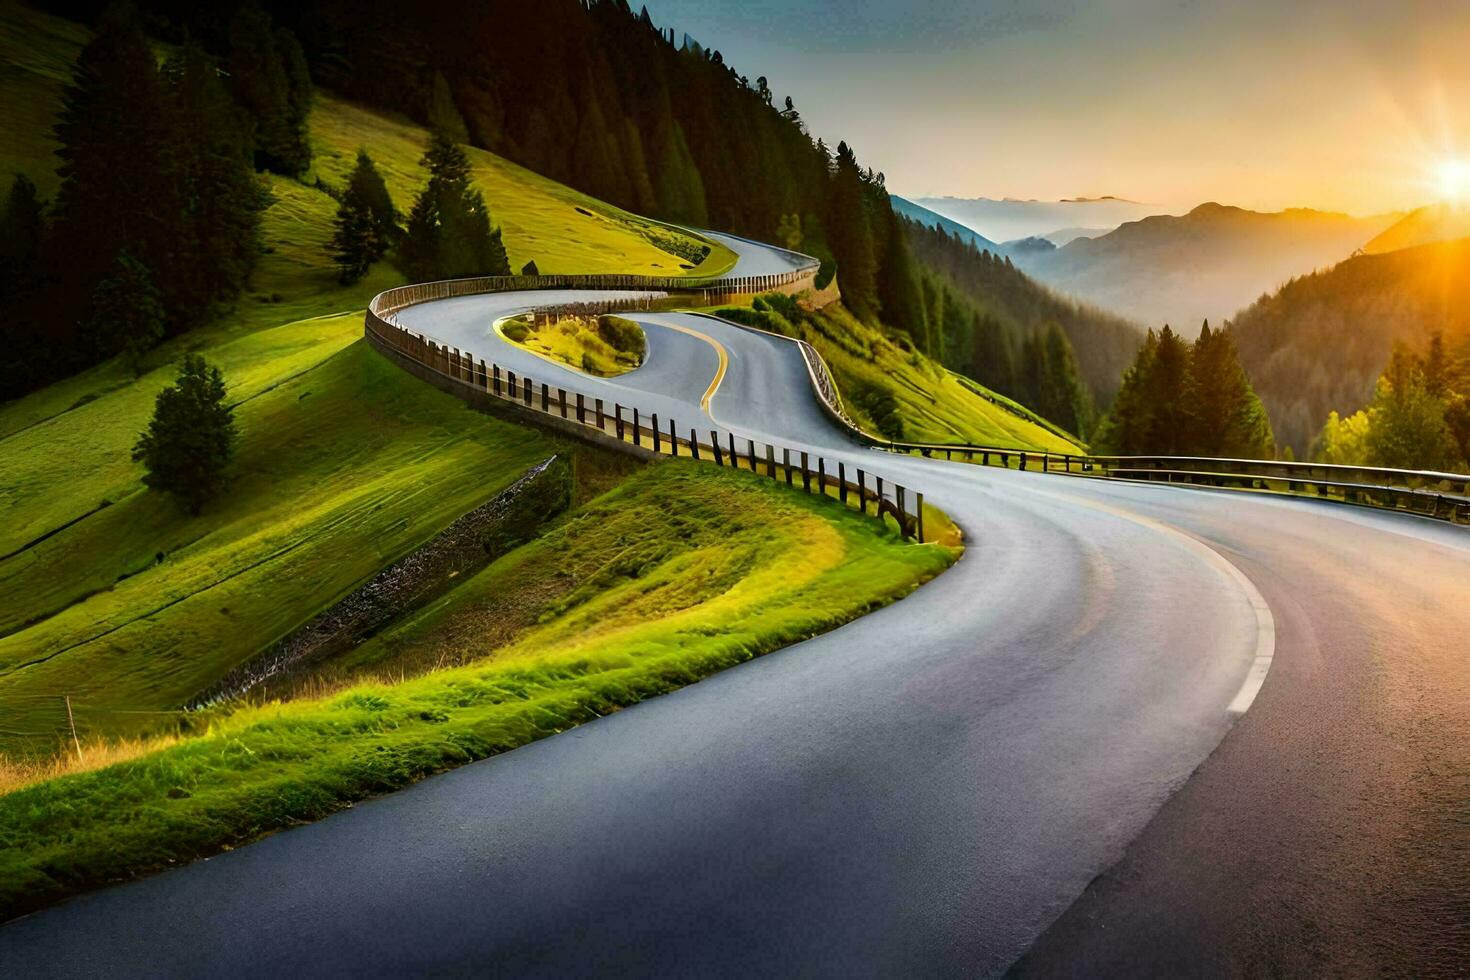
(629, 426)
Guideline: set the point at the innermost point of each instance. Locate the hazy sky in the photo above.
(1345, 105)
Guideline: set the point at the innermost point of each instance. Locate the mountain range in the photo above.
(1206, 264)
(1009, 220)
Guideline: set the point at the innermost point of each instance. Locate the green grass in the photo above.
(933, 404)
(343, 466)
(88, 609)
(563, 230)
(36, 55)
(678, 573)
(573, 341)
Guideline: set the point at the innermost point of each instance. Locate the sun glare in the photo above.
(1454, 180)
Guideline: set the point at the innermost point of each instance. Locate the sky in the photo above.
(1347, 105)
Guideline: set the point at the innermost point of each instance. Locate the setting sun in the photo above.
(1454, 179)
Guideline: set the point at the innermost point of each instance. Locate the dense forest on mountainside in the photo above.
(1317, 344)
(1005, 297)
(1419, 418)
(598, 97)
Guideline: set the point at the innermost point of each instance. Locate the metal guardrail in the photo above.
(1443, 496)
(630, 426)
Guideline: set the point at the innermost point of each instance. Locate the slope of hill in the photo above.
(1009, 219)
(1318, 344)
(1203, 265)
(1423, 226)
(933, 219)
(344, 463)
(1063, 236)
(1104, 344)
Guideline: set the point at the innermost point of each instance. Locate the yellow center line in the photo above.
(714, 385)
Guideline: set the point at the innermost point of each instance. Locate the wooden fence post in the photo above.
(770, 461)
(920, 498)
(842, 482)
(581, 409)
(862, 493)
(637, 429)
(496, 369)
(694, 444)
(673, 439)
(806, 476)
(618, 420)
(750, 454)
(734, 456)
(527, 393)
(714, 443)
(561, 397)
(510, 384)
(654, 425)
(786, 461)
(822, 475)
(601, 419)
(902, 510)
(545, 398)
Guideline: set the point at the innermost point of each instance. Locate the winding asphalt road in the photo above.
(1037, 762)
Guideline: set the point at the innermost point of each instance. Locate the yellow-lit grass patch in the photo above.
(680, 572)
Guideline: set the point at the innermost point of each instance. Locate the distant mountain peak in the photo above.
(1098, 200)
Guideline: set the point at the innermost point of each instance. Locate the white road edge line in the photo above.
(1265, 622)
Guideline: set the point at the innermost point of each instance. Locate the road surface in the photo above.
(994, 773)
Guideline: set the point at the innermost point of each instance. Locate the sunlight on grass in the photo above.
(680, 572)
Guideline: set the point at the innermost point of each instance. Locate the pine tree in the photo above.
(223, 199)
(191, 438)
(273, 87)
(1169, 395)
(442, 114)
(899, 293)
(368, 186)
(1064, 400)
(1126, 430)
(529, 269)
(22, 228)
(127, 314)
(992, 361)
(354, 242)
(22, 224)
(851, 238)
(120, 181)
(449, 234)
(366, 223)
(1226, 418)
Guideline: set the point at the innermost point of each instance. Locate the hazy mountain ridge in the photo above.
(1319, 343)
(933, 219)
(1010, 219)
(1423, 226)
(1202, 265)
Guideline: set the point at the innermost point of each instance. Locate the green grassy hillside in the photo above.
(343, 466)
(682, 571)
(341, 455)
(113, 598)
(897, 392)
